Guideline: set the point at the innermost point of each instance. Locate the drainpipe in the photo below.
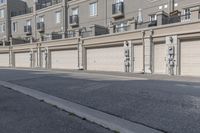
(171, 5)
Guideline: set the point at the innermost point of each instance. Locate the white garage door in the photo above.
(22, 59)
(138, 58)
(4, 60)
(65, 59)
(160, 52)
(105, 59)
(190, 58)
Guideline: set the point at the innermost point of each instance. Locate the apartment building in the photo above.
(6, 6)
(139, 36)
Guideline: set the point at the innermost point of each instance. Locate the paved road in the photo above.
(23, 114)
(169, 105)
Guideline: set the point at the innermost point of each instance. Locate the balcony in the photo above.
(45, 4)
(40, 26)
(22, 12)
(74, 20)
(28, 29)
(118, 10)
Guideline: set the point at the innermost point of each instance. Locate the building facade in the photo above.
(140, 36)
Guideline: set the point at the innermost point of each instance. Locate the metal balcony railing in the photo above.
(74, 20)
(177, 19)
(22, 12)
(118, 9)
(47, 4)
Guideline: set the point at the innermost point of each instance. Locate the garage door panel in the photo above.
(4, 60)
(160, 58)
(105, 59)
(190, 58)
(138, 58)
(22, 59)
(65, 59)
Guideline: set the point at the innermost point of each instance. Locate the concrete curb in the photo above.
(98, 117)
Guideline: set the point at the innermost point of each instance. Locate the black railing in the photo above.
(22, 12)
(177, 19)
(47, 4)
(146, 24)
(40, 26)
(55, 36)
(28, 29)
(118, 8)
(74, 19)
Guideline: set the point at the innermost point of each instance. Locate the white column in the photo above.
(147, 42)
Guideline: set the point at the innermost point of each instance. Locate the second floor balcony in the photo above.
(74, 20)
(118, 10)
(22, 12)
(47, 4)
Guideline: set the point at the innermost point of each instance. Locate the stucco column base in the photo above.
(148, 55)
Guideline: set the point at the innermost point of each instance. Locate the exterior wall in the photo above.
(21, 22)
(142, 40)
(49, 18)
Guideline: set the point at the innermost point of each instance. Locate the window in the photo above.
(41, 19)
(2, 1)
(118, 1)
(14, 26)
(2, 28)
(75, 11)
(121, 27)
(153, 17)
(187, 13)
(2, 13)
(93, 9)
(58, 17)
(28, 23)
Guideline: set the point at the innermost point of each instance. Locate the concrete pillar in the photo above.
(147, 43)
(39, 61)
(92, 28)
(111, 28)
(128, 57)
(77, 33)
(31, 58)
(80, 55)
(63, 35)
(195, 13)
(4, 43)
(172, 42)
(11, 57)
(47, 58)
(132, 24)
(162, 17)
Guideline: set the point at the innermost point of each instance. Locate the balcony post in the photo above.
(93, 30)
(111, 28)
(132, 24)
(147, 45)
(195, 13)
(161, 17)
(77, 33)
